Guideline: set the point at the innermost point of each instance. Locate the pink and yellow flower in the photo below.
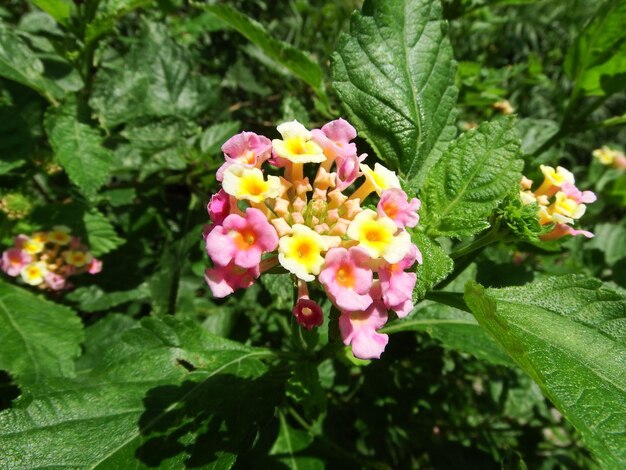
(302, 223)
(358, 329)
(347, 278)
(241, 240)
(394, 204)
(13, 260)
(224, 280)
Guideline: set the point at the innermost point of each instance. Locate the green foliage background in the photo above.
(112, 115)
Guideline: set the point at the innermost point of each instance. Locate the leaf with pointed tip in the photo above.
(38, 338)
(394, 73)
(568, 333)
(78, 149)
(475, 174)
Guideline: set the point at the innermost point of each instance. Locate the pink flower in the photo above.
(55, 281)
(577, 195)
(308, 313)
(397, 285)
(334, 138)
(359, 330)
(394, 204)
(224, 280)
(348, 170)
(219, 207)
(561, 230)
(347, 278)
(13, 260)
(242, 240)
(95, 266)
(245, 148)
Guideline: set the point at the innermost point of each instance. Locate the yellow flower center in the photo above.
(244, 239)
(252, 185)
(391, 209)
(345, 276)
(296, 146)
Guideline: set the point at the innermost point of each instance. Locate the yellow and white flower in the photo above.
(60, 234)
(301, 252)
(377, 235)
(248, 183)
(32, 246)
(77, 258)
(34, 273)
(297, 146)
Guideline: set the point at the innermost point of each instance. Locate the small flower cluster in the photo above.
(318, 232)
(560, 201)
(15, 206)
(610, 157)
(48, 259)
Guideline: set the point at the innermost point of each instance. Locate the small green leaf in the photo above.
(60, 10)
(568, 334)
(78, 149)
(38, 338)
(436, 264)
(280, 287)
(476, 173)
(297, 62)
(610, 239)
(107, 14)
(394, 74)
(94, 299)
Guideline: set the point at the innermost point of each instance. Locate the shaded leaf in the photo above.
(214, 137)
(394, 74)
(435, 267)
(296, 61)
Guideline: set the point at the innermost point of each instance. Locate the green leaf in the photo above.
(597, 61)
(94, 299)
(60, 10)
(297, 62)
(568, 334)
(78, 149)
(280, 287)
(214, 137)
(156, 78)
(611, 240)
(475, 174)
(394, 74)
(455, 329)
(167, 394)
(436, 264)
(107, 14)
(20, 64)
(38, 338)
(290, 446)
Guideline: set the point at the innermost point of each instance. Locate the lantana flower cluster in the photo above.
(560, 202)
(47, 259)
(610, 157)
(319, 231)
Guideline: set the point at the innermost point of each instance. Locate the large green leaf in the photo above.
(167, 394)
(597, 61)
(38, 338)
(78, 148)
(157, 78)
(610, 239)
(297, 62)
(394, 74)
(568, 334)
(19, 63)
(475, 174)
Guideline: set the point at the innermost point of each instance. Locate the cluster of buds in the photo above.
(15, 206)
(47, 259)
(560, 201)
(318, 232)
(609, 157)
